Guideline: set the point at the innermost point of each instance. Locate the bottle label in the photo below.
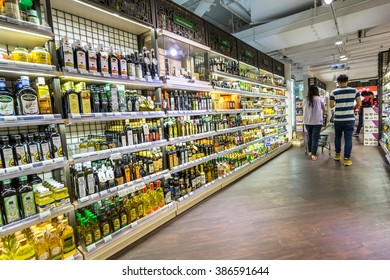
(117, 224)
(138, 72)
(44, 100)
(81, 60)
(131, 69)
(74, 107)
(88, 239)
(202, 180)
(123, 141)
(11, 208)
(6, 106)
(68, 56)
(83, 150)
(114, 66)
(92, 61)
(151, 168)
(104, 64)
(106, 229)
(57, 146)
(29, 104)
(9, 160)
(44, 256)
(123, 67)
(140, 210)
(123, 220)
(133, 214)
(85, 102)
(28, 204)
(55, 253)
(130, 141)
(45, 149)
(111, 183)
(168, 197)
(119, 181)
(81, 187)
(97, 235)
(69, 244)
(91, 183)
(114, 99)
(135, 139)
(156, 166)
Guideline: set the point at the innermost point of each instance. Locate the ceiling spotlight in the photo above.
(328, 2)
(339, 43)
(343, 56)
(344, 59)
(173, 52)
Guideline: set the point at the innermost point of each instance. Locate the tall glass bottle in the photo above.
(80, 56)
(7, 154)
(10, 202)
(71, 99)
(7, 107)
(26, 97)
(92, 64)
(102, 61)
(26, 197)
(44, 147)
(113, 63)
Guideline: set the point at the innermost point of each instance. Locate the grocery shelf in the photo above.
(124, 237)
(282, 115)
(253, 110)
(14, 69)
(235, 92)
(120, 190)
(93, 11)
(387, 112)
(243, 170)
(230, 130)
(196, 196)
(32, 168)
(174, 83)
(250, 126)
(238, 78)
(98, 117)
(14, 121)
(240, 147)
(283, 133)
(387, 152)
(22, 33)
(271, 116)
(35, 219)
(92, 156)
(67, 76)
(193, 163)
(189, 113)
(77, 256)
(191, 137)
(271, 135)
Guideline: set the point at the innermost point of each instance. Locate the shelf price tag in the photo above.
(107, 239)
(13, 169)
(10, 118)
(113, 189)
(44, 214)
(91, 247)
(116, 156)
(103, 193)
(122, 193)
(25, 167)
(75, 116)
(94, 196)
(167, 176)
(48, 117)
(84, 199)
(134, 224)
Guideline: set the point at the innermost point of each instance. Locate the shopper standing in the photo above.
(365, 103)
(313, 116)
(343, 99)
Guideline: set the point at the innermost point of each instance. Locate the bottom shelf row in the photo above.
(110, 225)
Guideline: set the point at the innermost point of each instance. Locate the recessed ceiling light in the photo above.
(327, 2)
(339, 42)
(343, 56)
(343, 59)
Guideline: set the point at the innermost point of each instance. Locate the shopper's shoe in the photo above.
(314, 158)
(337, 157)
(355, 135)
(347, 162)
(309, 154)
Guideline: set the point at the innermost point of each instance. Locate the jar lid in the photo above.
(20, 49)
(32, 13)
(40, 49)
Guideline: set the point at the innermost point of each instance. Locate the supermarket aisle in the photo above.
(290, 208)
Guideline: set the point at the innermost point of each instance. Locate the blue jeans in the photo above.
(313, 133)
(360, 124)
(347, 127)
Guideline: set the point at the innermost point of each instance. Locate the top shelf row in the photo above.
(172, 22)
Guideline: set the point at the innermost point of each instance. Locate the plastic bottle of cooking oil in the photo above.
(25, 251)
(67, 240)
(41, 248)
(54, 242)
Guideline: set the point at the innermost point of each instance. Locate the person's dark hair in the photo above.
(313, 91)
(371, 93)
(364, 93)
(342, 78)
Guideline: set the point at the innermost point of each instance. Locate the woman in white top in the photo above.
(313, 112)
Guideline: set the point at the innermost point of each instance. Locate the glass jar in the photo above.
(3, 54)
(33, 16)
(11, 8)
(20, 54)
(40, 55)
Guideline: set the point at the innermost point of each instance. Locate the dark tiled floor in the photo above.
(290, 208)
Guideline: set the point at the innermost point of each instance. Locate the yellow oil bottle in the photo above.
(67, 240)
(41, 248)
(25, 251)
(54, 243)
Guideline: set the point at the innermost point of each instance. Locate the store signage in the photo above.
(183, 22)
(249, 54)
(224, 42)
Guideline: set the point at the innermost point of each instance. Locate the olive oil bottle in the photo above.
(55, 247)
(33, 149)
(65, 54)
(55, 142)
(41, 248)
(85, 98)
(67, 240)
(10, 202)
(44, 97)
(7, 107)
(44, 147)
(80, 57)
(26, 197)
(71, 99)
(7, 155)
(26, 97)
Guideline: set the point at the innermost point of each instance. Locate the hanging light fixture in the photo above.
(328, 2)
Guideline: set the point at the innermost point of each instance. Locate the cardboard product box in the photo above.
(298, 142)
(371, 139)
(370, 113)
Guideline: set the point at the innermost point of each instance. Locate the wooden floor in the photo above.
(290, 208)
